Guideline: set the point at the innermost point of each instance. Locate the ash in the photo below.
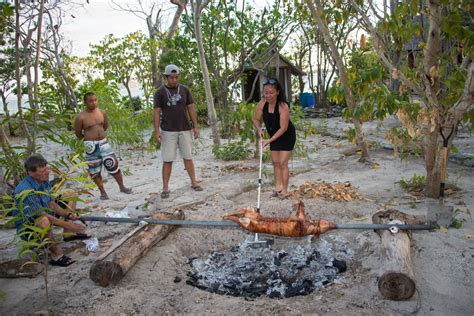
(286, 269)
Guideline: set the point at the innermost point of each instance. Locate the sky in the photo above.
(95, 20)
(99, 18)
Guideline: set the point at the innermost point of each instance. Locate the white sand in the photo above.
(443, 263)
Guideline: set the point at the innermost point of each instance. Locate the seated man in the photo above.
(39, 209)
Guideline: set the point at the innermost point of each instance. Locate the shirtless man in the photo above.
(91, 125)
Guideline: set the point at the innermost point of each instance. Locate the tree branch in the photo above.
(378, 43)
(466, 101)
(431, 53)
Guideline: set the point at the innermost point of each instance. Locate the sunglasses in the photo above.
(269, 81)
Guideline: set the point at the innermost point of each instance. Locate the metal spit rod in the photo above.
(230, 224)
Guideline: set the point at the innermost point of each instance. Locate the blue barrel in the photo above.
(306, 100)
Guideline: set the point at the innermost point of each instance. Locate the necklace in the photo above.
(172, 98)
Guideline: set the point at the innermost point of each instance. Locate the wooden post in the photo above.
(396, 280)
(111, 267)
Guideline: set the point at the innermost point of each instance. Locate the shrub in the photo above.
(415, 183)
(231, 151)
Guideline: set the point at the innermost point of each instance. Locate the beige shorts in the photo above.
(170, 141)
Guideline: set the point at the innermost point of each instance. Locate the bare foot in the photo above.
(126, 190)
(275, 193)
(104, 197)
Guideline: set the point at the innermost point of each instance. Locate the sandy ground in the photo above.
(443, 262)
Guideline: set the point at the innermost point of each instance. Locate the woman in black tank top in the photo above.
(275, 113)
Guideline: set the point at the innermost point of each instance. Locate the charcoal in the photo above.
(340, 265)
(276, 273)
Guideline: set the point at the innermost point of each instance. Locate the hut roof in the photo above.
(269, 58)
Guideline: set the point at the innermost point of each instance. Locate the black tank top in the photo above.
(272, 123)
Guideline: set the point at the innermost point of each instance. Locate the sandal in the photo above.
(76, 236)
(64, 261)
(197, 187)
(165, 194)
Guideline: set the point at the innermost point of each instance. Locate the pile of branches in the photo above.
(327, 191)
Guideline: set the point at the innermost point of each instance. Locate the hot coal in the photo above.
(281, 271)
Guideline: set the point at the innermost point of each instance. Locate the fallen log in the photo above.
(112, 266)
(396, 280)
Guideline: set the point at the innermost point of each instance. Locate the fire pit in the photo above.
(285, 269)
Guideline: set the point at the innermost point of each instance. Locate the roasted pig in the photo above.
(298, 225)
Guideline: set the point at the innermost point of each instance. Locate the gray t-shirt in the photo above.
(174, 107)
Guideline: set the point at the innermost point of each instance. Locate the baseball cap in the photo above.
(171, 70)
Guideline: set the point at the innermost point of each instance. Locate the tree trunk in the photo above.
(71, 99)
(397, 47)
(39, 29)
(360, 137)
(430, 152)
(8, 150)
(112, 266)
(396, 280)
(157, 78)
(32, 101)
(11, 131)
(198, 6)
(310, 63)
(431, 86)
(30, 141)
(129, 93)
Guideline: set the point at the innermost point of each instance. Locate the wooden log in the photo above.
(111, 267)
(396, 279)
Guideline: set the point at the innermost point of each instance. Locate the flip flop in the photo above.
(197, 187)
(165, 194)
(64, 261)
(77, 236)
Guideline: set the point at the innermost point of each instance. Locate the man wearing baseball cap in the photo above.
(175, 123)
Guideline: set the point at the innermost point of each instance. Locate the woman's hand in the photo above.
(266, 142)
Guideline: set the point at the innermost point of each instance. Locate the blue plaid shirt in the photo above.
(34, 205)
